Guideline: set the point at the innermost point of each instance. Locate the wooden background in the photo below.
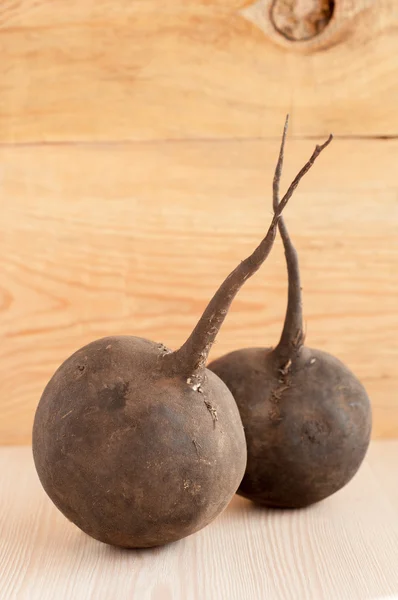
(137, 146)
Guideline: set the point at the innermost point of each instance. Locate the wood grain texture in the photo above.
(101, 70)
(135, 238)
(345, 548)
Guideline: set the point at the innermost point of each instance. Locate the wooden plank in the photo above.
(343, 547)
(121, 70)
(135, 239)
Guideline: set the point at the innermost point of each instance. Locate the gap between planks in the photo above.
(191, 140)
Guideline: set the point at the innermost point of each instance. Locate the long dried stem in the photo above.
(292, 337)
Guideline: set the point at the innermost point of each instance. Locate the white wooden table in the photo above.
(343, 548)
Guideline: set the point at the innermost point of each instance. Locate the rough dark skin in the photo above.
(133, 473)
(140, 446)
(307, 431)
(307, 418)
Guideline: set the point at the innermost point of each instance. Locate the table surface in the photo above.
(343, 548)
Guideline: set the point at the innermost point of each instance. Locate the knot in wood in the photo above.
(300, 20)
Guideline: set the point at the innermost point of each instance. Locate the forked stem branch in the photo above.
(190, 360)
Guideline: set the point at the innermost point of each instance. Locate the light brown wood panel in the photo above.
(101, 70)
(135, 238)
(344, 548)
